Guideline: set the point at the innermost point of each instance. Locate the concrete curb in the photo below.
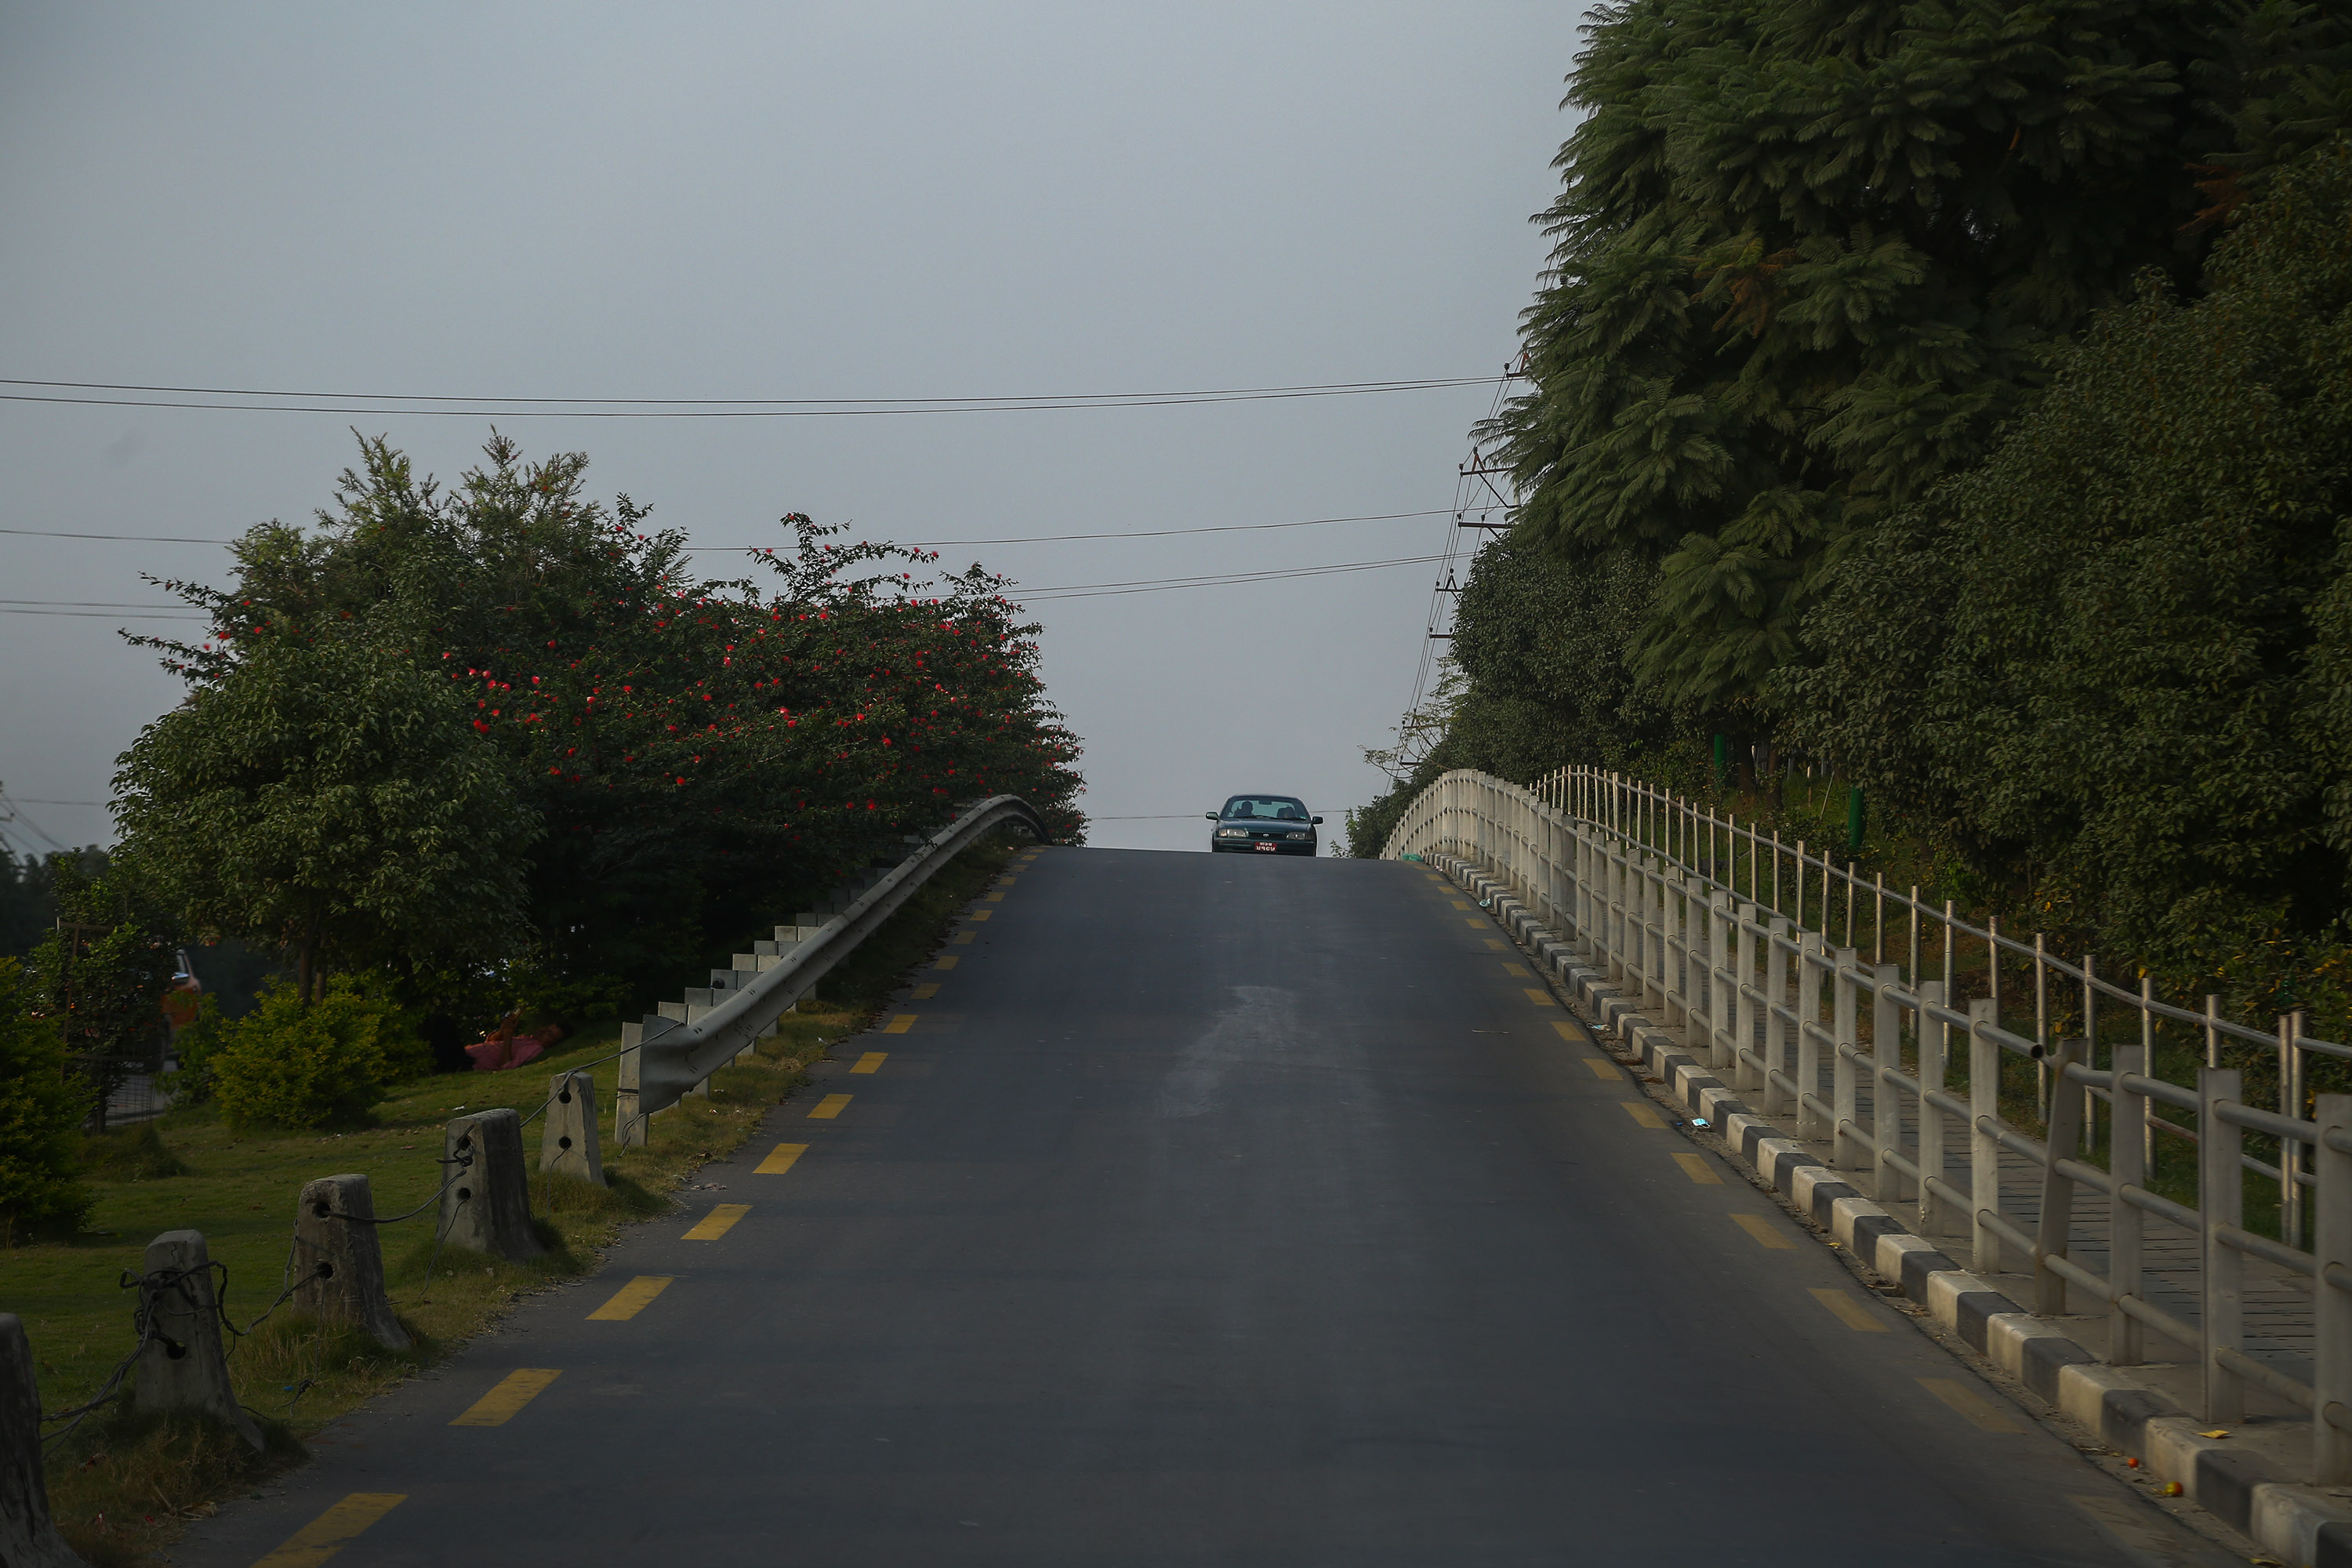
(2298, 1524)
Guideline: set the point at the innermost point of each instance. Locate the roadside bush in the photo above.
(41, 1111)
(285, 1064)
(191, 1083)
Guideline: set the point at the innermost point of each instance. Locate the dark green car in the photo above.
(1264, 825)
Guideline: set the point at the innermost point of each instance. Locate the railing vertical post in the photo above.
(2126, 1147)
(1935, 1045)
(2057, 1222)
(1885, 1057)
(1776, 1002)
(1809, 1039)
(2331, 1247)
(628, 1125)
(1722, 983)
(1984, 1149)
(1845, 1040)
(1656, 912)
(2222, 1199)
(1743, 1005)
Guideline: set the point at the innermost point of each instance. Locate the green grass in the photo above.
(121, 1489)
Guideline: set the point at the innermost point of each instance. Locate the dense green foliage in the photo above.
(1810, 257)
(2114, 663)
(326, 797)
(690, 757)
(97, 978)
(326, 1064)
(28, 904)
(42, 1105)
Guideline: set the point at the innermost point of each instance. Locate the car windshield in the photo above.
(1264, 808)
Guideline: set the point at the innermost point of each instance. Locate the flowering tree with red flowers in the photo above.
(701, 756)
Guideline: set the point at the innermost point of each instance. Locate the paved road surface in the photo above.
(1216, 1211)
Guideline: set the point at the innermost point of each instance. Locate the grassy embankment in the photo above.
(122, 1488)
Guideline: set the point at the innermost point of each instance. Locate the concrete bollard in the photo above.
(27, 1539)
(568, 1141)
(487, 1203)
(182, 1365)
(336, 1246)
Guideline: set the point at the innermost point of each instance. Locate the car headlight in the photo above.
(1298, 835)
(1232, 833)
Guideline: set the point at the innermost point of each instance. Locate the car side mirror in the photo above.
(1209, 814)
(1316, 820)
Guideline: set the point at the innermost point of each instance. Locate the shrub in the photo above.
(41, 1111)
(191, 1083)
(285, 1064)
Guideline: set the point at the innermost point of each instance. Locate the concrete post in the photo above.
(1743, 999)
(336, 1246)
(1984, 1149)
(1809, 1039)
(1885, 1057)
(2222, 1199)
(2056, 1226)
(1776, 1002)
(27, 1539)
(2126, 1154)
(486, 1205)
(568, 1141)
(1845, 1041)
(2331, 1247)
(628, 1122)
(182, 1365)
(1933, 1044)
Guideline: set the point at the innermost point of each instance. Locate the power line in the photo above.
(696, 408)
(912, 544)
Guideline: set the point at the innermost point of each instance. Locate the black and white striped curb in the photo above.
(2301, 1524)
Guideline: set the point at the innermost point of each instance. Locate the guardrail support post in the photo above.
(1776, 1002)
(2127, 1163)
(335, 1243)
(2331, 1245)
(1809, 1039)
(2051, 1234)
(1843, 1151)
(567, 1141)
(1885, 1056)
(487, 1206)
(182, 1365)
(1984, 1149)
(2222, 1199)
(1934, 1048)
(27, 1538)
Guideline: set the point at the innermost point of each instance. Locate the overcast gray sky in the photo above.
(795, 202)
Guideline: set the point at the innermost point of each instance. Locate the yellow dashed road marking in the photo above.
(1980, 1412)
(1644, 1113)
(1601, 1066)
(1699, 1168)
(979, 914)
(923, 993)
(1474, 921)
(1568, 1031)
(871, 1061)
(718, 1221)
(1520, 970)
(1766, 1234)
(514, 1391)
(1850, 1312)
(947, 962)
(780, 1159)
(961, 936)
(995, 898)
(333, 1530)
(631, 1298)
(1496, 944)
(1461, 903)
(901, 1023)
(1540, 996)
(829, 1107)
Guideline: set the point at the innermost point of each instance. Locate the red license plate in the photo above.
(1269, 848)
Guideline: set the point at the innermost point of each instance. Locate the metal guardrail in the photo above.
(1614, 866)
(664, 1058)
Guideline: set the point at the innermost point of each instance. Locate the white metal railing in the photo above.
(1704, 922)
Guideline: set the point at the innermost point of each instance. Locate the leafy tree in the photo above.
(1810, 256)
(326, 797)
(698, 755)
(42, 1105)
(2111, 666)
(98, 976)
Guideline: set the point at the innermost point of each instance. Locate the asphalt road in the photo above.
(1214, 1210)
